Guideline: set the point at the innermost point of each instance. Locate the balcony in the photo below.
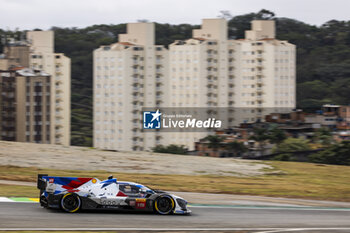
(210, 86)
(136, 126)
(210, 64)
(136, 134)
(212, 97)
(136, 97)
(211, 55)
(211, 72)
(135, 80)
(211, 90)
(58, 97)
(137, 88)
(211, 81)
(58, 132)
(259, 90)
(58, 107)
(158, 102)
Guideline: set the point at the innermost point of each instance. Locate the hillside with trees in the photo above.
(323, 59)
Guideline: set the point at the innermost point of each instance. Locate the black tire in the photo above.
(70, 202)
(164, 205)
(43, 201)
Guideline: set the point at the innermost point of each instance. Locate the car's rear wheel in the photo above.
(164, 205)
(43, 201)
(70, 203)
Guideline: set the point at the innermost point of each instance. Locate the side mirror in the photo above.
(110, 177)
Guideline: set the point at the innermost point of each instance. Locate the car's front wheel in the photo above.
(164, 205)
(70, 202)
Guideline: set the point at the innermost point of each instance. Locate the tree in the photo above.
(170, 149)
(323, 136)
(276, 136)
(290, 145)
(225, 15)
(237, 148)
(335, 154)
(261, 136)
(214, 141)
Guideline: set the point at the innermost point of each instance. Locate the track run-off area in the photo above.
(26, 214)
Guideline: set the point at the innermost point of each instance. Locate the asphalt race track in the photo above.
(32, 216)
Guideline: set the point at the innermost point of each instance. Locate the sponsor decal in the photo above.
(132, 203)
(140, 203)
(51, 180)
(165, 121)
(151, 120)
(94, 181)
(121, 194)
(192, 123)
(140, 200)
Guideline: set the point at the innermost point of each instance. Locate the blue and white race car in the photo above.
(74, 193)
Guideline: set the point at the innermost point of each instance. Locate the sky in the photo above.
(43, 14)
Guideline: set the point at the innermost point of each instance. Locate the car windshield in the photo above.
(134, 188)
(146, 189)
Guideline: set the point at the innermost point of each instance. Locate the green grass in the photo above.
(286, 179)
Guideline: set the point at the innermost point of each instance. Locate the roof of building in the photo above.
(199, 38)
(268, 39)
(126, 43)
(30, 72)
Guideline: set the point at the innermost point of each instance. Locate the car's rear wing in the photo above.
(59, 183)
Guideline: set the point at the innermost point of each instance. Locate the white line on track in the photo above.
(305, 229)
(260, 230)
(4, 199)
(274, 208)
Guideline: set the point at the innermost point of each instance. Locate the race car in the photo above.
(75, 193)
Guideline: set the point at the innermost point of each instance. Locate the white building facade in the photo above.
(128, 75)
(43, 57)
(208, 70)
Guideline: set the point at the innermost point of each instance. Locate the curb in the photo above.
(18, 199)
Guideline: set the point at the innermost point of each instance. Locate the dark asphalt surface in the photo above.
(31, 215)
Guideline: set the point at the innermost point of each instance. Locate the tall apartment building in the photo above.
(25, 105)
(266, 72)
(16, 53)
(251, 77)
(43, 57)
(200, 75)
(128, 75)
